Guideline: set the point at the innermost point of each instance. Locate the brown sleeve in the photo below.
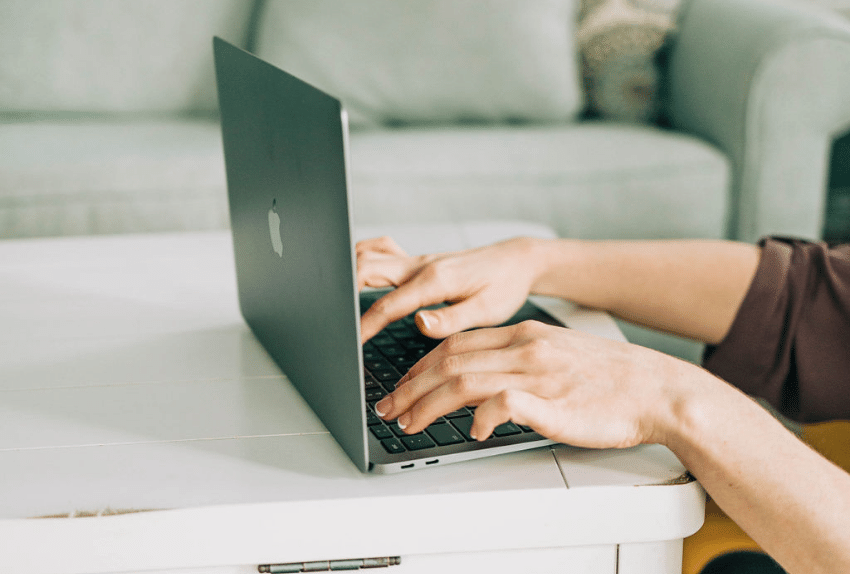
(790, 341)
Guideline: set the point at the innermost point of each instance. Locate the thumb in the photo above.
(445, 321)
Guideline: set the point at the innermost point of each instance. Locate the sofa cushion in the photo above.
(431, 60)
(621, 43)
(68, 178)
(113, 55)
(589, 180)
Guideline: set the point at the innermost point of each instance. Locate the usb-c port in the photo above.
(435, 461)
(406, 466)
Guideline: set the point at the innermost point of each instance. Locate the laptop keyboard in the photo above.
(386, 357)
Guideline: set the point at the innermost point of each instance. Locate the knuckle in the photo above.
(507, 401)
(464, 384)
(451, 365)
(537, 350)
(453, 344)
(430, 273)
(402, 396)
(526, 328)
(381, 307)
(385, 241)
(422, 260)
(436, 272)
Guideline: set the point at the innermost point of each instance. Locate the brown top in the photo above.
(790, 341)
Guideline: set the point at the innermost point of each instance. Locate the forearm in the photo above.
(788, 498)
(692, 288)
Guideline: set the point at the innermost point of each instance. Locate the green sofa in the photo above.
(714, 121)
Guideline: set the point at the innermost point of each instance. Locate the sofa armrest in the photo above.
(768, 82)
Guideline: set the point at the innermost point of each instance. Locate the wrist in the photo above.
(700, 409)
(678, 407)
(557, 266)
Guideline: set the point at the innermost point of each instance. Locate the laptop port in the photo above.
(435, 461)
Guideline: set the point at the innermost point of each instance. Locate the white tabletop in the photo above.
(141, 417)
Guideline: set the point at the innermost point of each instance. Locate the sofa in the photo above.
(600, 118)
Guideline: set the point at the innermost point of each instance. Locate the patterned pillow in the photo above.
(621, 42)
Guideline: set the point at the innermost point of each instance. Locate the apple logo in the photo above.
(274, 229)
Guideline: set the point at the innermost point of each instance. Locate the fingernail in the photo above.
(383, 406)
(423, 321)
(472, 434)
(403, 421)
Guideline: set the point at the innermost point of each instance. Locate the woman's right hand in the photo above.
(484, 286)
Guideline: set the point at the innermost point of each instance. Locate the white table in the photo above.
(142, 427)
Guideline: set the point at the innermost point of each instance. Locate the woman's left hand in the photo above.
(568, 386)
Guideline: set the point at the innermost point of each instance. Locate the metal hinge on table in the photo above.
(330, 565)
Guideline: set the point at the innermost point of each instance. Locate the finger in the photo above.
(518, 406)
(472, 312)
(383, 244)
(411, 294)
(460, 344)
(385, 271)
(469, 389)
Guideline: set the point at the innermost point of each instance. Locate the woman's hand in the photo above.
(485, 286)
(568, 386)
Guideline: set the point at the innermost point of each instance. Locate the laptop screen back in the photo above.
(284, 148)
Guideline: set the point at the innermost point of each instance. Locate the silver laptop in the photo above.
(285, 149)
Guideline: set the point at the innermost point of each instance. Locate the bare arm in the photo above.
(688, 288)
(788, 498)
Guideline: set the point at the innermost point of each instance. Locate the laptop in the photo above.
(285, 149)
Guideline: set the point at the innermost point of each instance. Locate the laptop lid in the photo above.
(286, 149)
(285, 155)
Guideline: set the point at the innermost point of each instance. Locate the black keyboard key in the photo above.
(417, 353)
(417, 441)
(444, 433)
(526, 428)
(461, 412)
(386, 375)
(404, 366)
(389, 386)
(382, 339)
(392, 350)
(507, 429)
(381, 432)
(399, 330)
(372, 419)
(374, 395)
(396, 429)
(392, 446)
(379, 364)
(413, 343)
(464, 424)
(399, 360)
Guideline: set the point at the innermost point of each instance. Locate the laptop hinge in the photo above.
(330, 565)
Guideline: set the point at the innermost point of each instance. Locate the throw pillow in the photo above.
(113, 55)
(432, 60)
(621, 42)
